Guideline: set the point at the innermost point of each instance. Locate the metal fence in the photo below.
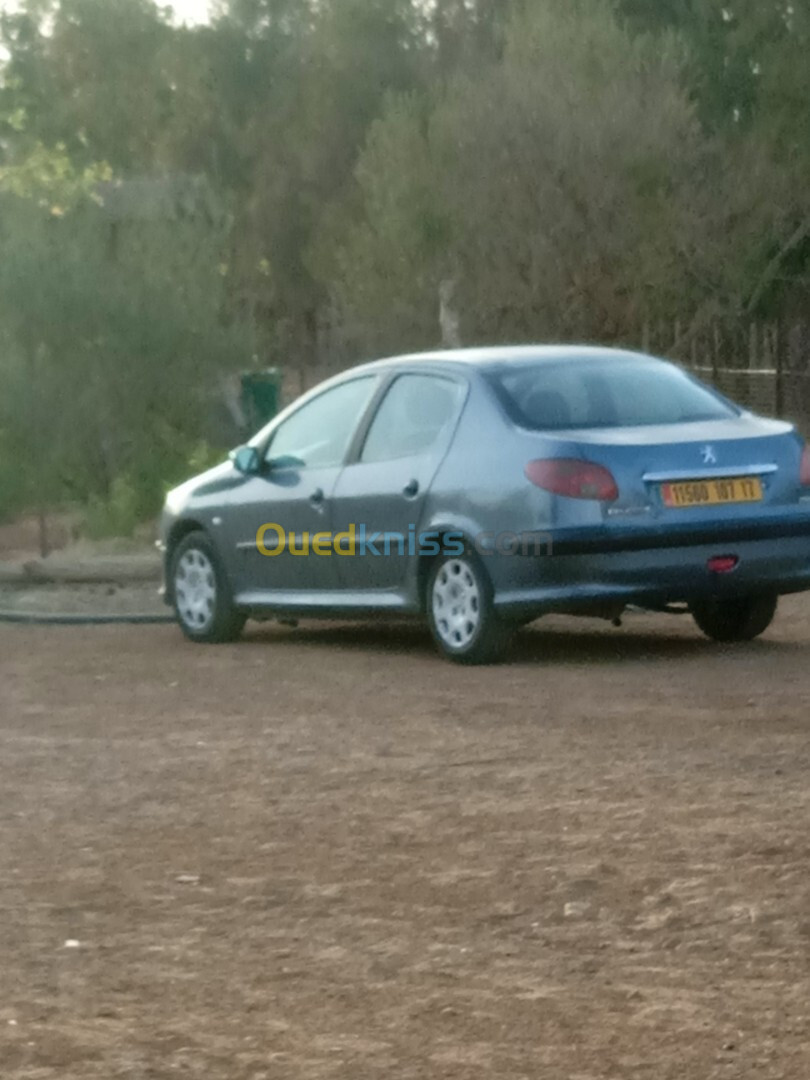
(764, 366)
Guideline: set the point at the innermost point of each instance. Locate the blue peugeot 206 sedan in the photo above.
(480, 489)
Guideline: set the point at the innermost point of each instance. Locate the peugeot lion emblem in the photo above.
(709, 456)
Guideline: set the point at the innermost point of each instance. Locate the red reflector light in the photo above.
(804, 469)
(723, 564)
(574, 479)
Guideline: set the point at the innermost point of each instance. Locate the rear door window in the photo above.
(413, 416)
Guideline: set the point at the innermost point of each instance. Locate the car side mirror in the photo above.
(246, 460)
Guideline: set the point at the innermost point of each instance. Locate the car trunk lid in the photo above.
(725, 462)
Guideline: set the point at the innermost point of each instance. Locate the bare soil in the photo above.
(118, 558)
(20, 538)
(102, 599)
(325, 853)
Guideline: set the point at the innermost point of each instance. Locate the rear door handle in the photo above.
(411, 490)
(317, 497)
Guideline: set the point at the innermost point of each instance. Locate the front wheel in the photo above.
(203, 600)
(462, 618)
(739, 618)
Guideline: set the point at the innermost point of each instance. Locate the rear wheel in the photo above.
(461, 614)
(739, 618)
(203, 600)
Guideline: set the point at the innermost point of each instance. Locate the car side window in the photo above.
(318, 434)
(413, 415)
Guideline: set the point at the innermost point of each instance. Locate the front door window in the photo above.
(318, 434)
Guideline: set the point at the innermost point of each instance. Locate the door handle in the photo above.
(317, 497)
(411, 490)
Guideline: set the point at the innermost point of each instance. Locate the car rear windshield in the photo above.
(603, 393)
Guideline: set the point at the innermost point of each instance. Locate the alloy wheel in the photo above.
(195, 590)
(456, 604)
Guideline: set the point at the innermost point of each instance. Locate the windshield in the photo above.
(602, 393)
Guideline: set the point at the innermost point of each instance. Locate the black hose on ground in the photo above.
(33, 619)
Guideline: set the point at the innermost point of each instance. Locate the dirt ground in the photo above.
(101, 599)
(325, 853)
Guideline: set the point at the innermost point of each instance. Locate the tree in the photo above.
(325, 76)
(561, 185)
(747, 71)
(464, 32)
(109, 359)
(92, 74)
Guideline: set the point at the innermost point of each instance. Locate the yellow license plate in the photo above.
(742, 489)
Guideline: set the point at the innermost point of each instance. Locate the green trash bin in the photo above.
(261, 397)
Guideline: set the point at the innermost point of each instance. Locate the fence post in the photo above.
(753, 343)
(780, 371)
(716, 353)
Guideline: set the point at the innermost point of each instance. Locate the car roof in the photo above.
(509, 355)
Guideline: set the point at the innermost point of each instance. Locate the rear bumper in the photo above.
(601, 568)
(611, 541)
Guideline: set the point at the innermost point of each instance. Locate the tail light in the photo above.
(804, 468)
(723, 564)
(574, 479)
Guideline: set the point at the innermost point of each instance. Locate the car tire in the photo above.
(461, 614)
(738, 618)
(202, 594)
